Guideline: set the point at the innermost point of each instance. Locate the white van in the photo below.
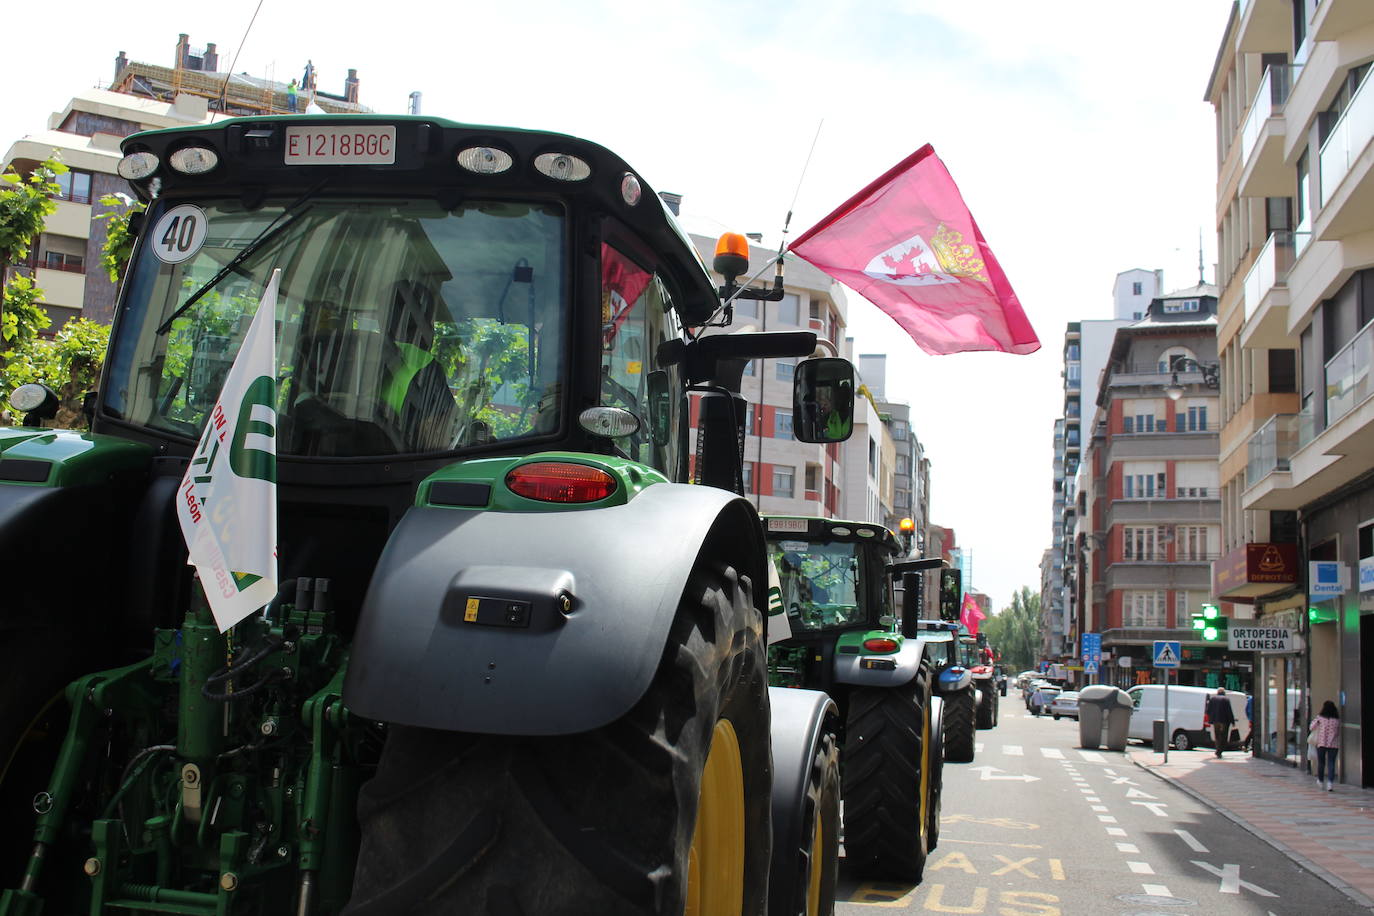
(1188, 724)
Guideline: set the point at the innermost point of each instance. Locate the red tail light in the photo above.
(557, 482)
(880, 644)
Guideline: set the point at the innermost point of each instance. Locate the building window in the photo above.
(872, 458)
(1136, 316)
(1193, 543)
(750, 420)
(1195, 420)
(75, 186)
(1181, 305)
(749, 477)
(786, 369)
(1143, 609)
(1073, 372)
(898, 430)
(789, 309)
(749, 367)
(782, 481)
(1136, 288)
(813, 477)
(1143, 486)
(901, 465)
(1145, 545)
(782, 424)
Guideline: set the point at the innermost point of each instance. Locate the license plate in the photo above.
(793, 525)
(340, 145)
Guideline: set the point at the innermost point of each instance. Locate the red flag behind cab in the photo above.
(970, 614)
(908, 244)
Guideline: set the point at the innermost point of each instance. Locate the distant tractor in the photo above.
(975, 655)
(849, 640)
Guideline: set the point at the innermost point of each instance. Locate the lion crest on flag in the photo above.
(916, 262)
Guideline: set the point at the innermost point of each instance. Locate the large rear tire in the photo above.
(822, 831)
(987, 707)
(960, 726)
(887, 780)
(601, 822)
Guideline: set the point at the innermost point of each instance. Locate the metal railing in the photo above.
(1269, 270)
(1270, 448)
(1268, 103)
(1348, 139)
(1347, 375)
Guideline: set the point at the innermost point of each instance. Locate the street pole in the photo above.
(1167, 736)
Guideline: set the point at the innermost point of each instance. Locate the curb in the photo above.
(1241, 822)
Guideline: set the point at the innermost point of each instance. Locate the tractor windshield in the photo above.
(402, 327)
(820, 583)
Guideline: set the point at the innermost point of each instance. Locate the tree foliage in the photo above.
(25, 203)
(69, 364)
(119, 241)
(1015, 630)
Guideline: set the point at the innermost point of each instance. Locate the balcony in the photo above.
(1265, 25)
(1270, 449)
(1347, 375)
(1263, 172)
(1334, 18)
(1266, 294)
(1346, 196)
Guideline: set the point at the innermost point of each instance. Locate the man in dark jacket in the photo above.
(1222, 716)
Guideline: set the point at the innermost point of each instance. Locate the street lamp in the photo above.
(1211, 375)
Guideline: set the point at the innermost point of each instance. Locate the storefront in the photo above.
(1279, 704)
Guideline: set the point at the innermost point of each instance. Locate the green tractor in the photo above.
(849, 638)
(517, 661)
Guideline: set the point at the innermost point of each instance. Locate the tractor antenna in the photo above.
(224, 90)
(795, 194)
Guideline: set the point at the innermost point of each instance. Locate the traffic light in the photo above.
(1210, 623)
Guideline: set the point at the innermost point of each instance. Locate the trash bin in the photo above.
(1104, 717)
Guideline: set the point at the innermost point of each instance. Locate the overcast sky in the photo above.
(1076, 130)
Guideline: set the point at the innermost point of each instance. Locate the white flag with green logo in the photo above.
(227, 504)
(779, 627)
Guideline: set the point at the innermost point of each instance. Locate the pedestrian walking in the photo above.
(1037, 702)
(1223, 719)
(1325, 735)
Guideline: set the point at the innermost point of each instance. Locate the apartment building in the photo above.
(1295, 208)
(85, 134)
(783, 476)
(1148, 521)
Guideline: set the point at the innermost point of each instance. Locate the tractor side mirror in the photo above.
(823, 400)
(951, 588)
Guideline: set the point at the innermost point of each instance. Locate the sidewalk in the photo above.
(1331, 834)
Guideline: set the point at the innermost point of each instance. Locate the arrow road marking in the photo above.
(1192, 842)
(1230, 879)
(989, 777)
(1136, 793)
(1154, 807)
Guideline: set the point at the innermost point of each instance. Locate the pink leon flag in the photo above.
(908, 244)
(970, 614)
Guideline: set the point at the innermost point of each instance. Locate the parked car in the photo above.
(1066, 704)
(1025, 677)
(1188, 726)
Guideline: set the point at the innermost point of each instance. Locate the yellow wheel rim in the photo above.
(715, 877)
(813, 886)
(925, 772)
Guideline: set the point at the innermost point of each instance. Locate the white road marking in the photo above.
(1092, 756)
(1127, 847)
(1109, 771)
(977, 747)
(1140, 868)
(1136, 793)
(1123, 781)
(1154, 807)
(1115, 831)
(1053, 753)
(1192, 842)
(989, 771)
(1100, 808)
(1156, 890)
(1230, 879)
(1092, 798)
(1012, 750)
(1087, 791)
(1106, 819)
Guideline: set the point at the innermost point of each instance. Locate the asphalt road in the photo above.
(1036, 827)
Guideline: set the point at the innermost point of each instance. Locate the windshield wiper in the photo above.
(280, 224)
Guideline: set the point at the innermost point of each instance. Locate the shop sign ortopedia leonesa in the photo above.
(1260, 639)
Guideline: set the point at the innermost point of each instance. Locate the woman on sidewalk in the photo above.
(1326, 729)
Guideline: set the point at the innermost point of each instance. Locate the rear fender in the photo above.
(953, 679)
(523, 623)
(849, 669)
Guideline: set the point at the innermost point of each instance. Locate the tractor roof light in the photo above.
(562, 166)
(485, 160)
(732, 256)
(194, 160)
(630, 189)
(906, 524)
(560, 482)
(136, 166)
